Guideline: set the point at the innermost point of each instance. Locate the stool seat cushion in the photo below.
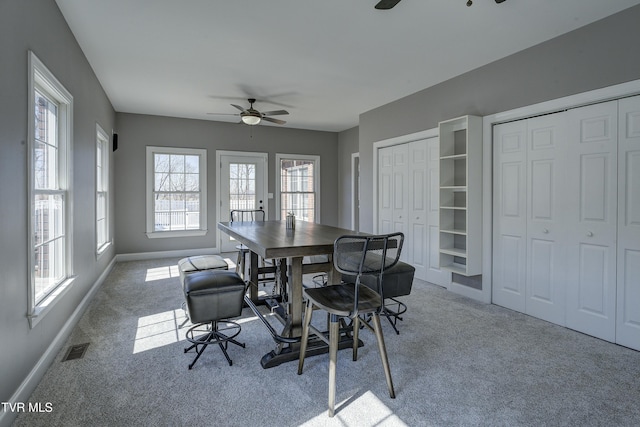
(396, 281)
(201, 262)
(213, 295)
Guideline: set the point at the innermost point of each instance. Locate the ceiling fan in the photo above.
(388, 4)
(252, 117)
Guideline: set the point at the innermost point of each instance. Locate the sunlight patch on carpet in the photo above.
(160, 273)
(356, 411)
(158, 330)
(169, 327)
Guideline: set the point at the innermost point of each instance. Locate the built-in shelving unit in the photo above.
(461, 195)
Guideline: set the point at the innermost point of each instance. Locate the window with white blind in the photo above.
(298, 186)
(176, 192)
(50, 226)
(103, 238)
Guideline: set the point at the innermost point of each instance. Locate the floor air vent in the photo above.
(76, 352)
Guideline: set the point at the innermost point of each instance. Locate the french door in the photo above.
(242, 184)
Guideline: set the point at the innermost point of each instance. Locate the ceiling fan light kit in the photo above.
(250, 116)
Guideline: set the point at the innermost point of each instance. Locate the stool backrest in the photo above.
(240, 215)
(367, 255)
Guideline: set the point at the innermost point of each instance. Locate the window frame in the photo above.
(316, 180)
(42, 80)
(102, 147)
(202, 179)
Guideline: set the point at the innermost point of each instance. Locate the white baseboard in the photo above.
(165, 254)
(32, 380)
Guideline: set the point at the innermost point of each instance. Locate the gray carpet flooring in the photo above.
(456, 362)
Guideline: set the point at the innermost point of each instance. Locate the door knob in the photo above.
(589, 234)
(545, 231)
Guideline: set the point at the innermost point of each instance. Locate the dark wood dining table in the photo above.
(273, 240)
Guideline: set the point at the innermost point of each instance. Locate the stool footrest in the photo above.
(220, 332)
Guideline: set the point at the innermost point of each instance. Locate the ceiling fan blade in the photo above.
(386, 4)
(238, 107)
(223, 114)
(275, 113)
(272, 120)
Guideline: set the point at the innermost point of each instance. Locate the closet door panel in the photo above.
(628, 289)
(418, 215)
(546, 253)
(509, 215)
(400, 193)
(591, 227)
(385, 176)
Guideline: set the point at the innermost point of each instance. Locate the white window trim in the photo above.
(316, 179)
(151, 150)
(103, 138)
(40, 76)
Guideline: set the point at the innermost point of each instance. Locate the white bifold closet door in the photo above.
(530, 217)
(408, 191)
(566, 219)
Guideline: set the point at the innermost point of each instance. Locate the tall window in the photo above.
(50, 112)
(299, 183)
(176, 192)
(103, 239)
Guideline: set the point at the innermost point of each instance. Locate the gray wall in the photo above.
(38, 25)
(347, 144)
(136, 131)
(595, 56)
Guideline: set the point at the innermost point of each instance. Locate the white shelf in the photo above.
(461, 195)
(455, 188)
(455, 268)
(454, 156)
(454, 231)
(454, 251)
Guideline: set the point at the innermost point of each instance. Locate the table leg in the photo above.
(253, 277)
(294, 284)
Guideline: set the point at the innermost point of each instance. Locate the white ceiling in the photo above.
(326, 62)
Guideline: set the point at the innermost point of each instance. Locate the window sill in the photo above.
(44, 307)
(181, 233)
(102, 249)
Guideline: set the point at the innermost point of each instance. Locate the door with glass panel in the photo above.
(242, 182)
